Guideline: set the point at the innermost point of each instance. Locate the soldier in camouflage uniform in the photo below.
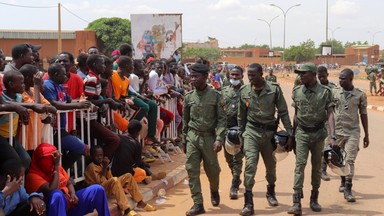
(259, 101)
(231, 95)
(313, 104)
(349, 103)
(322, 76)
(270, 77)
(204, 126)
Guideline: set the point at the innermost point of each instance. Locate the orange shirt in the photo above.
(120, 86)
(29, 129)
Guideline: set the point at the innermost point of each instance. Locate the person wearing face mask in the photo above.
(259, 103)
(231, 95)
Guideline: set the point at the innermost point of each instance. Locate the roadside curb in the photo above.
(173, 178)
(374, 107)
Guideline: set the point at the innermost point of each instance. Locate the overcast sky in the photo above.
(232, 22)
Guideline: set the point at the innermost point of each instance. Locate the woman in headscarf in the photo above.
(46, 175)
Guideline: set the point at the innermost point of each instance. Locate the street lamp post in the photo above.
(373, 36)
(333, 39)
(270, 30)
(285, 17)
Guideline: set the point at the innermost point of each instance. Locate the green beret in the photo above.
(200, 68)
(309, 66)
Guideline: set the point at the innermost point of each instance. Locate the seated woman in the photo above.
(46, 175)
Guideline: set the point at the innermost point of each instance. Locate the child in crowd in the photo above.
(98, 172)
(30, 94)
(128, 156)
(14, 200)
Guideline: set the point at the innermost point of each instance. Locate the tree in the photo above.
(337, 46)
(210, 54)
(249, 46)
(306, 51)
(111, 32)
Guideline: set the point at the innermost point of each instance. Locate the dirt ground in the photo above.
(360, 81)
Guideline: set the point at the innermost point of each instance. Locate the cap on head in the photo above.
(115, 52)
(35, 48)
(200, 68)
(309, 66)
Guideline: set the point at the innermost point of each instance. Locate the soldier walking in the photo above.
(313, 106)
(257, 125)
(270, 77)
(204, 125)
(322, 76)
(231, 95)
(372, 82)
(349, 103)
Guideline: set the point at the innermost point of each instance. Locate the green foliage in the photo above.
(349, 44)
(111, 32)
(306, 51)
(210, 54)
(249, 46)
(337, 46)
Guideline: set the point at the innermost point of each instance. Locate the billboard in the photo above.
(156, 33)
(326, 50)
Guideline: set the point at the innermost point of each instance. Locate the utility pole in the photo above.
(59, 44)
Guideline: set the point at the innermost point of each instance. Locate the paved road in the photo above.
(367, 186)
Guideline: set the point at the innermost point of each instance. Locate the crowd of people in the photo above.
(134, 90)
(127, 91)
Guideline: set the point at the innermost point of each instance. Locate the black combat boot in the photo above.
(342, 184)
(195, 210)
(215, 198)
(248, 204)
(296, 208)
(314, 204)
(271, 195)
(324, 174)
(348, 191)
(233, 192)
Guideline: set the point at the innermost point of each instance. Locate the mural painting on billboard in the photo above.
(159, 34)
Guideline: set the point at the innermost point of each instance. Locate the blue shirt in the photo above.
(55, 92)
(10, 203)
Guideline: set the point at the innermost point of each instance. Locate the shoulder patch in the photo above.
(244, 87)
(296, 87)
(217, 92)
(326, 87)
(190, 92)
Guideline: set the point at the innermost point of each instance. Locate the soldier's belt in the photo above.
(264, 126)
(203, 133)
(311, 129)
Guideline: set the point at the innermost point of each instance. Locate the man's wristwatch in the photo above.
(333, 137)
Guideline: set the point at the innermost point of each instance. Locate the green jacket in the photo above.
(261, 108)
(311, 104)
(204, 111)
(231, 99)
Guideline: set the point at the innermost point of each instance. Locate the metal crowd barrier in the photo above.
(170, 132)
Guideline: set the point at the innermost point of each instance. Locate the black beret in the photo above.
(200, 68)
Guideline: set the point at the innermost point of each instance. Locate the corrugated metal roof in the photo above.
(17, 34)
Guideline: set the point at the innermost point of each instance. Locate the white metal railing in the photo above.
(170, 132)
